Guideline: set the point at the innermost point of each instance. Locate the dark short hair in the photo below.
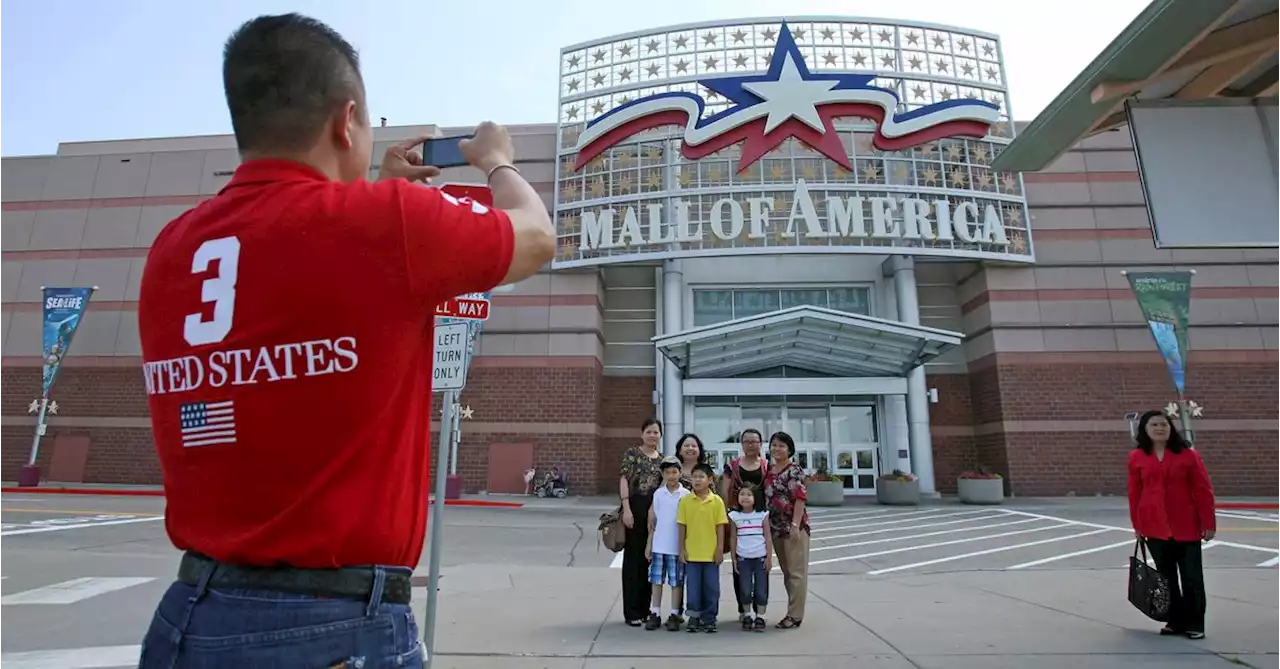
(284, 76)
(1176, 443)
(705, 469)
(651, 421)
(751, 488)
(786, 441)
(669, 465)
(751, 430)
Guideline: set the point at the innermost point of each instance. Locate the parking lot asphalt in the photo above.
(937, 585)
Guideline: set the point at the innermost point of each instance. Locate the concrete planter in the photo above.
(825, 493)
(980, 491)
(898, 493)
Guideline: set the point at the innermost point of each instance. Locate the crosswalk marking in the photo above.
(1064, 556)
(939, 544)
(926, 534)
(100, 657)
(75, 590)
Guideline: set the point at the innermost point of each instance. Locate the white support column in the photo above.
(921, 443)
(672, 380)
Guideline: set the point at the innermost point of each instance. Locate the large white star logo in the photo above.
(792, 96)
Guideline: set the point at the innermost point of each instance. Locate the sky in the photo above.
(83, 70)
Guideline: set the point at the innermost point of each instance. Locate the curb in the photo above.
(1260, 506)
(160, 493)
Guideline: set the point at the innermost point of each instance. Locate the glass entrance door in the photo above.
(856, 447)
(810, 427)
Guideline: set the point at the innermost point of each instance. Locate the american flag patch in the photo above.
(207, 423)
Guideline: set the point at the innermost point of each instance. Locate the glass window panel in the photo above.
(809, 424)
(866, 459)
(854, 424)
(848, 481)
(713, 460)
(866, 481)
(820, 461)
(844, 460)
(796, 298)
(715, 425)
(712, 306)
(754, 302)
(851, 300)
(803, 458)
(767, 419)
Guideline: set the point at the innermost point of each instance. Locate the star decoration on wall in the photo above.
(682, 42)
(625, 51)
(739, 37)
(598, 55)
(34, 406)
(574, 61)
(652, 46)
(467, 412)
(856, 34)
(886, 36)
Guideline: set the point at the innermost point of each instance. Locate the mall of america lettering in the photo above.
(913, 218)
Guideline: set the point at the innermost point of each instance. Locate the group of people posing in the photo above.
(683, 522)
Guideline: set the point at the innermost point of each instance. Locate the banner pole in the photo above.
(35, 442)
(435, 522)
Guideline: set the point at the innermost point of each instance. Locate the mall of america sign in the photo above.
(814, 135)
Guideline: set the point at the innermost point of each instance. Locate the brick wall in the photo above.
(626, 402)
(1088, 462)
(951, 420)
(116, 455)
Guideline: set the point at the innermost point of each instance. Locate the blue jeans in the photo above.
(702, 591)
(196, 627)
(753, 583)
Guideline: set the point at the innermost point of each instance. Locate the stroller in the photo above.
(552, 484)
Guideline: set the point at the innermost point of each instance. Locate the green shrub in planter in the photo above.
(898, 488)
(980, 487)
(825, 489)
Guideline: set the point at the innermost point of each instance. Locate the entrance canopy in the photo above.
(811, 338)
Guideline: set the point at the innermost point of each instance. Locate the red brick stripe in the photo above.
(1069, 294)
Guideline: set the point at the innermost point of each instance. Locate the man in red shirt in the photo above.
(286, 330)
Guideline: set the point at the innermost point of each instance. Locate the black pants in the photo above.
(636, 591)
(1176, 559)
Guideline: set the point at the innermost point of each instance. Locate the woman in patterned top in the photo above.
(640, 476)
(786, 498)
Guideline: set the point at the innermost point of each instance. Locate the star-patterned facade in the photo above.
(922, 65)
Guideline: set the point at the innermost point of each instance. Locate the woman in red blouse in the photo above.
(1171, 507)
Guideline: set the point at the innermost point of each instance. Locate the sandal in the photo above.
(1169, 630)
(787, 623)
(1195, 635)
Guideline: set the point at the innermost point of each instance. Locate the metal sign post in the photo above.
(457, 328)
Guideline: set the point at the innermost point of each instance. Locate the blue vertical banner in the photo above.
(63, 309)
(1165, 300)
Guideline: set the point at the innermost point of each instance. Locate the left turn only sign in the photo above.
(449, 371)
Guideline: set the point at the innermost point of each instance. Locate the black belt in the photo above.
(345, 582)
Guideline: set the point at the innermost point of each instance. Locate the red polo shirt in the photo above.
(286, 330)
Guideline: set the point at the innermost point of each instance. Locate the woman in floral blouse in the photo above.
(786, 498)
(640, 476)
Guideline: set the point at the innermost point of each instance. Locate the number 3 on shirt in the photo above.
(220, 290)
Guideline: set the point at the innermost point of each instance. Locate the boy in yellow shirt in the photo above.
(702, 519)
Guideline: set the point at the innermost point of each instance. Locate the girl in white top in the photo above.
(752, 546)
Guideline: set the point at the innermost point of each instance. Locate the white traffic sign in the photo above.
(449, 371)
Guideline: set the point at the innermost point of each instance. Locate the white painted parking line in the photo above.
(938, 544)
(926, 534)
(100, 657)
(75, 590)
(895, 522)
(875, 515)
(1064, 556)
(897, 528)
(60, 528)
(1270, 563)
(1249, 516)
(989, 551)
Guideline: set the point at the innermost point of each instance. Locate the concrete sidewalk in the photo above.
(544, 618)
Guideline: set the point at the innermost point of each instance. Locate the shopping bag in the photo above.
(1148, 588)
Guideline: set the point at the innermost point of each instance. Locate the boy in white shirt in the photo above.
(663, 549)
(752, 545)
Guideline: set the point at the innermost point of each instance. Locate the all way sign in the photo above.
(449, 369)
(472, 307)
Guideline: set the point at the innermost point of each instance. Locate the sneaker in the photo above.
(747, 624)
(653, 622)
(709, 628)
(693, 626)
(673, 622)
(758, 624)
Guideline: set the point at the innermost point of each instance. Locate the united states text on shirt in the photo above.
(243, 366)
(208, 423)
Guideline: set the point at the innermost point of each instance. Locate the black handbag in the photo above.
(1148, 588)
